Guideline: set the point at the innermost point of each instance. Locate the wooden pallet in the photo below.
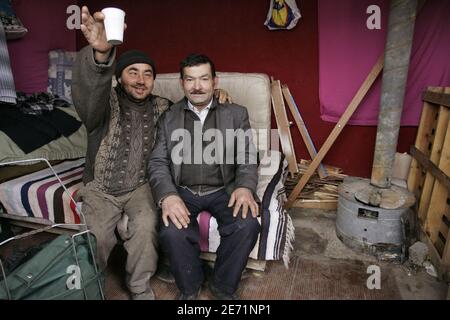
(429, 176)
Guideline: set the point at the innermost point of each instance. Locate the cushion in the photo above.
(14, 28)
(60, 73)
(251, 90)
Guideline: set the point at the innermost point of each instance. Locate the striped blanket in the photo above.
(40, 195)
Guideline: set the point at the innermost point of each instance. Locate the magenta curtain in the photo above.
(348, 50)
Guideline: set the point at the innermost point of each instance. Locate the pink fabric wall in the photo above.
(348, 50)
(46, 24)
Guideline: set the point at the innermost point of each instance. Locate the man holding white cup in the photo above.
(121, 124)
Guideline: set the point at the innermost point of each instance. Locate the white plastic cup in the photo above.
(114, 25)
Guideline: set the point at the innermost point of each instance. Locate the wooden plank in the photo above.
(442, 238)
(440, 132)
(423, 140)
(446, 252)
(283, 126)
(376, 70)
(302, 128)
(36, 223)
(430, 166)
(442, 99)
(438, 201)
(330, 205)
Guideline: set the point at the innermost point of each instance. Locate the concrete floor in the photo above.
(316, 240)
(321, 268)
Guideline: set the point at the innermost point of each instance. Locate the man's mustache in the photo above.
(197, 92)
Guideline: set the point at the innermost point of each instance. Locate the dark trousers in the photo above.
(238, 237)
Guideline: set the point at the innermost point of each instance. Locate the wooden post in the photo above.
(302, 128)
(283, 126)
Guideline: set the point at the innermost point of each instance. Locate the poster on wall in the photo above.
(283, 14)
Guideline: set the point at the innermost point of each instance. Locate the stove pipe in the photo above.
(402, 16)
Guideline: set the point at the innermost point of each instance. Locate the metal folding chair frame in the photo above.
(83, 225)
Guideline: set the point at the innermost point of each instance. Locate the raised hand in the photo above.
(93, 29)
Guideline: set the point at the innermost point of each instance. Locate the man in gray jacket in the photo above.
(187, 177)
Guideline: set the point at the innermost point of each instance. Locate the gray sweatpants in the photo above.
(103, 212)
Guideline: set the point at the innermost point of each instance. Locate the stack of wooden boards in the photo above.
(283, 125)
(319, 193)
(321, 190)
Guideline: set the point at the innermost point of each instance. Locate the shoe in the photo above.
(146, 295)
(163, 273)
(220, 295)
(192, 296)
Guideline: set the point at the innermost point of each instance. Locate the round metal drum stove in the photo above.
(378, 230)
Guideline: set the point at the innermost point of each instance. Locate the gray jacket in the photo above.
(164, 174)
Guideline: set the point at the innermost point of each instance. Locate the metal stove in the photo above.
(382, 231)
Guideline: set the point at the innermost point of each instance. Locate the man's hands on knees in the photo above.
(173, 207)
(243, 197)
